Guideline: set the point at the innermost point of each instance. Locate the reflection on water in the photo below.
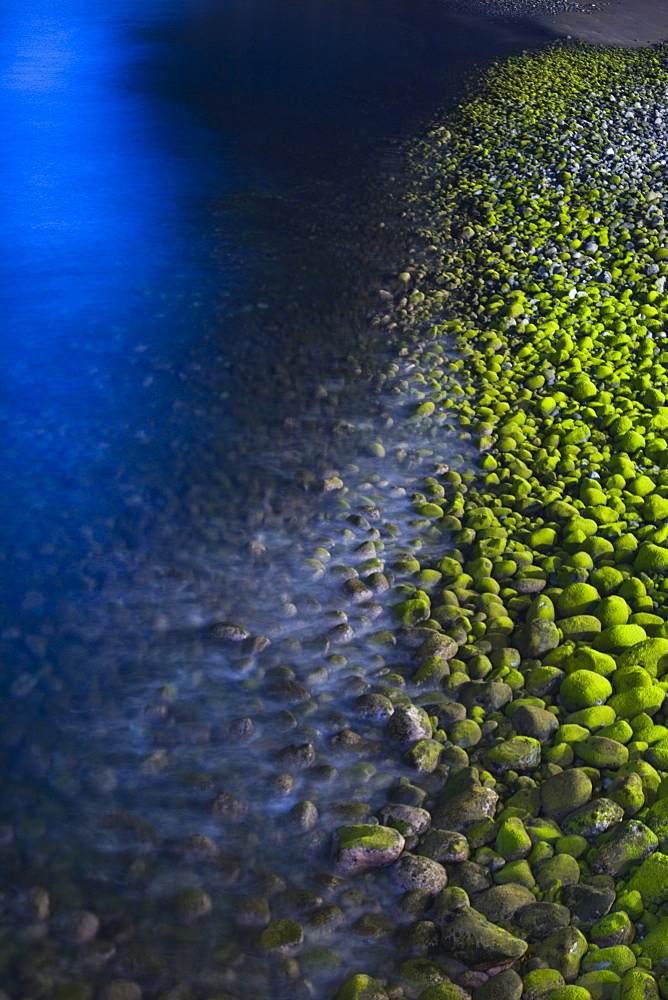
(192, 202)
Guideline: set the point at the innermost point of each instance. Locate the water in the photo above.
(197, 198)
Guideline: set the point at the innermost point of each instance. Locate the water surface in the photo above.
(198, 211)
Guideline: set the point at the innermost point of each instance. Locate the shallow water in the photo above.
(194, 195)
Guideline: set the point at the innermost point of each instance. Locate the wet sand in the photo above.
(615, 22)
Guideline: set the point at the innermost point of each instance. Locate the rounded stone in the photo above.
(413, 871)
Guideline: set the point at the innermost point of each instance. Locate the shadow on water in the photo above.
(202, 201)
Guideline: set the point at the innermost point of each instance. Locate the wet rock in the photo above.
(121, 989)
(405, 818)
(418, 975)
(77, 927)
(412, 638)
(352, 742)
(408, 725)
(480, 944)
(101, 781)
(506, 985)
(412, 871)
(254, 912)
(361, 987)
(358, 848)
(33, 904)
(297, 756)
(651, 879)
(289, 691)
(228, 632)
(192, 904)
(449, 712)
(357, 591)
(408, 793)
(229, 807)
(444, 846)
(198, 847)
(424, 756)
(325, 920)
(435, 645)
(373, 707)
(420, 939)
(283, 937)
(241, 729)
(562, 869)
(374, 927)
(302, 817)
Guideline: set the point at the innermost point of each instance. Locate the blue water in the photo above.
(192, 197)
(132, 133)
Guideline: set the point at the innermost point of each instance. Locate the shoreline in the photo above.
(542, 262)
(630, 23)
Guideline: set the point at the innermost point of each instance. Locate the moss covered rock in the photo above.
(358, 848)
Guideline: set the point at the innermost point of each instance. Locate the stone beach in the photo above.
(538, 313)
(429, 758)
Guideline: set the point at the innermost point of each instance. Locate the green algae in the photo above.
(539, 271)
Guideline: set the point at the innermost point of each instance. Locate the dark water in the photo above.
(197, 201)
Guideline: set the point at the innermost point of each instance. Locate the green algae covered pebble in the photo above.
(584, 689)
(361, 987)
(638, 983)
(614, 928)
(444, 991)
(282, 936)
(539, 983)
(418, 974)
(599, 751)
(586, 658)
(618, 959)
(601, 984)
(571, 992)
(655, 945)
(593, 718)
(651, 558)
(612, 611)
(583, 628)
(521, 753)
(651, 654)
(633, 701)
(617, 638)
(512, 840)
(577, 599)
(357, 848)
(538, 637)
(572, 844)
(651, 879)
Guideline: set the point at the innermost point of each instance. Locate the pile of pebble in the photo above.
(536, 302)
(437, 767)
(512, 9)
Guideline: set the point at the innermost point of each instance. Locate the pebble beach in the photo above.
(428, 758)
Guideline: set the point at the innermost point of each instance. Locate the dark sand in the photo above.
(616, 22)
